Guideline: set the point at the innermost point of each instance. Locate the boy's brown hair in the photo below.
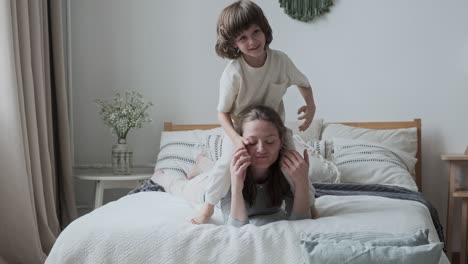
(233, 20)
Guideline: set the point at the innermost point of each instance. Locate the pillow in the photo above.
(371, 163)
(178, 155)
(179, 149)
(355, 252)
(320, 169)
(312, 133)
(405, 139)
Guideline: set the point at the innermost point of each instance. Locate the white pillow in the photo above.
(367, 162)
(320, 169)
(405, 139)
(311, 134)
(179, 150)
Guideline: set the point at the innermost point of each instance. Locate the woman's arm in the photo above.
(297, 168)
(240, 162)
(226, 124)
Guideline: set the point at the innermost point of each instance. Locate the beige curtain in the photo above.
(36, 183)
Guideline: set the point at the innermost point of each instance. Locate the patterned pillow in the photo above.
(321, 166)
(184, 155)
(311, 134)
(179, 149)
(403, 139)
(371, 163)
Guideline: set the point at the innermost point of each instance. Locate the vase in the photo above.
(122, 160)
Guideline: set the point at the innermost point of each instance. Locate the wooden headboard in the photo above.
(169, 126)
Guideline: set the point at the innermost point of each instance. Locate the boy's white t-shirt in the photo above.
(242, 86)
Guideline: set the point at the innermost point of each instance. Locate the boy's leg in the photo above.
(219, 183)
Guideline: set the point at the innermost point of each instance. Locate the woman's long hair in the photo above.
(277, 185)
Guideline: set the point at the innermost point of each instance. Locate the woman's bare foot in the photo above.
(204, 215)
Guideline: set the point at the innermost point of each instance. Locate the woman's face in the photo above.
(265, 143)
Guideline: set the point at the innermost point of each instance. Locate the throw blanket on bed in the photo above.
(154, 227)
(395, 192)
(343, 189)
(148, 186)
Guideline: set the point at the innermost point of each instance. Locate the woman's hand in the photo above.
(240, 162)
(297, 168)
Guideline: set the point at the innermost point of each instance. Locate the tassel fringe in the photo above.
(305, 10)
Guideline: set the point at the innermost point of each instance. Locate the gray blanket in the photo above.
(148, 186)
(343, 189)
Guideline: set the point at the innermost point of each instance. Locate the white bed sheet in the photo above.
(154, 227)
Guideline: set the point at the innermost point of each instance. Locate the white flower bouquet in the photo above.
(125, 112)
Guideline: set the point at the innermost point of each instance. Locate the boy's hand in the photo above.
(240, 142)
(309, 112)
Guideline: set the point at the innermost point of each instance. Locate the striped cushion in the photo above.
(179, 149)
(367, 162)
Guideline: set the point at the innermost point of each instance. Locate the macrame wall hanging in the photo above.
(305, 10)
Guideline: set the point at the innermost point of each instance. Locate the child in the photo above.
(256, 75)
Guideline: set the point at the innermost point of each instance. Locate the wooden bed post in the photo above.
(167, 126)
(418, 167)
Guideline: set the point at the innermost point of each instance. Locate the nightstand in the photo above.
(105, 179)
(456, 161)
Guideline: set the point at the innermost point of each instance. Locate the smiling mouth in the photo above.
(255, 48)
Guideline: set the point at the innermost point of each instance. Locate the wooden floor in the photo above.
(455, 257)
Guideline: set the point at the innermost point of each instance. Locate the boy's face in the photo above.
(251, 43)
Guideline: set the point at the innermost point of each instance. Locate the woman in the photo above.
(258, 185)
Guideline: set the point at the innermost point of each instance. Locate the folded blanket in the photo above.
(395, 192)
(148, 186)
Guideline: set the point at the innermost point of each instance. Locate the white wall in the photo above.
(367, 60)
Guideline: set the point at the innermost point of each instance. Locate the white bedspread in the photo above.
(154, 227)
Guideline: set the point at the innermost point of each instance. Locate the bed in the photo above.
(154, 226)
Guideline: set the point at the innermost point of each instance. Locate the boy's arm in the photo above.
(308, 109)
(226, 123)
